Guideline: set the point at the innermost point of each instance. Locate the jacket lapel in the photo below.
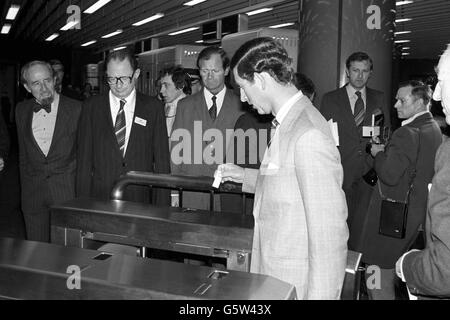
(62, 117)
(29, 127)
(137, 112)
(106, 118)
(370, 107)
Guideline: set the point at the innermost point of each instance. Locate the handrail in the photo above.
(191, 183)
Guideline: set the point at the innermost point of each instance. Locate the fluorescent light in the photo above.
(52, 37)
(6, 28)
(251, 13)
(112, 34)
(149, 19)
(402, 41)
(12, 12)
(199, 41)
(96, 6)
(402, 32)
(401, 3)
(193, 2)
(118, 48)
(88, 43)
(402, 20)
(405, 53)
(183, 31)
(406, 48)
(282, 25)
(69, 25)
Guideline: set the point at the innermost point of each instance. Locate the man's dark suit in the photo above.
(100, 162)
(352, 146)
(46, 180)
(4, 139)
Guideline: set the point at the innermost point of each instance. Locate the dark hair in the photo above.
(180, 78)
(55, 62)
(419, 90)
(30, 64)
(304, 84)
(358, 56)
(206, 54)
(263, 54)
(121, 55)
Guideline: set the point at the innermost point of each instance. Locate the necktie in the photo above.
(120, 127)
(213, 109)
(37, 107)
(359, 109)
(273, 129)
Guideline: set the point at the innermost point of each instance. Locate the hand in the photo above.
(376, 139)
(376, 148)
(175, 199)
(231, 172)
(2, 164)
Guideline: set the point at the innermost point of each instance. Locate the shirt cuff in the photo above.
(399, 265)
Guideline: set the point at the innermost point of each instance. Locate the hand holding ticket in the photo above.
(217, 178)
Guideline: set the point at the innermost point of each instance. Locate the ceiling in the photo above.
(38, 19)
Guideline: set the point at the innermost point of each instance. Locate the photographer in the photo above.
(404, 167)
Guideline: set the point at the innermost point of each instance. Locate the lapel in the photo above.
(370, 106)
(202, 110)
(62, 117)
(106, 118)
(29, 127)
(347, 109)
(138, 111)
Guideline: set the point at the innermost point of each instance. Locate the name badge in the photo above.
(140, 121)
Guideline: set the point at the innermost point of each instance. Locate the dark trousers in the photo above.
(38, 225)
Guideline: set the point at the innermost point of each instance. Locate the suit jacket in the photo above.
(4, 139)
(427, 272)
(100, 161)
(50, 179)
(394, 168)
(336, 105)
(193, 117)
(300, 212)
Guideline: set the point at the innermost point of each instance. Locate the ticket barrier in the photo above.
(35, 270)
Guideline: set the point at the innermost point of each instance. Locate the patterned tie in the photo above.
(120, 127)
(273, 129)
(359, 109)
(213, 109)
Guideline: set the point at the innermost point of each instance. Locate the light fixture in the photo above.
(405, 53)
(402, 41)
(402, 20)
(199, 41)
(193, 2)
(96, 6)
(88, 43)
(12, 12)
(401, 3)
(149, 19)
(70, 25)
(118, 48)
(5, 29)
(406, 48)
(112, 34)
(282, 25)
(183, 31)
(52, 37)
(251, 13)
(401, 32)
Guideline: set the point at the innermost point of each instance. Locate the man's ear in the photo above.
(27, 87)
(227, 71)
(137, 73)
(347, 73)
(260, 80)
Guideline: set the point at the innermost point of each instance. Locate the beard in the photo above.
(47, 101)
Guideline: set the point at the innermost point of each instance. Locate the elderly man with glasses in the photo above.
(121, 131)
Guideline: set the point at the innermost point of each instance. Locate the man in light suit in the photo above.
(215, 109)
(427, 272)
(352, 107)
(47, 129)
(121, 131)
(300, 233)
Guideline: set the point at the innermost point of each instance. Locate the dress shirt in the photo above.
(171, 111)
(351, 92)
(43, 126)
(129, 108)
(404, 123)
(219, 101)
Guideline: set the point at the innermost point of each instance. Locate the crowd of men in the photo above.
(312, 200)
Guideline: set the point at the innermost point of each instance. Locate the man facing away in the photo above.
(352, 107)
(47, 129)
(300, 233)
(121, 131)
(213, 110)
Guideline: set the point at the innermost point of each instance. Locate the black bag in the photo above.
(394, 213)
(371, 177)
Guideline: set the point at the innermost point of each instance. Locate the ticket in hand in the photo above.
(217, 178)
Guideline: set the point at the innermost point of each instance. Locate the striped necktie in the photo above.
(120, 127)
(213, 109)
(273, 129)
(359, 109)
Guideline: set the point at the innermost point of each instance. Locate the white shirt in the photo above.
(404, 123)
(114, 104)
(351, 92)
(43, 126)
(284, 110)
(171, 111)
(219, 101)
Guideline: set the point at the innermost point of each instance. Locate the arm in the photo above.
(23, 162)
(4, 142)
(386, 112)
(427, 272)
(324, 107)
(319, 175)
(84, 152)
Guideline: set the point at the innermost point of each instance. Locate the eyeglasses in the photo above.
(123, 80)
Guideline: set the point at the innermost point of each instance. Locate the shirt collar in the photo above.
(352, 91)
(414, 117)
(131, 97)
(174, 103)
(287, 106)
(220, 95)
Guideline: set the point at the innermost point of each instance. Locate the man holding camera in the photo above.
(352, 107)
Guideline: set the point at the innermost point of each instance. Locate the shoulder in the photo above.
(443, 153)
(334, 93)
(23, 105)
(72, 103)
(375, 93)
